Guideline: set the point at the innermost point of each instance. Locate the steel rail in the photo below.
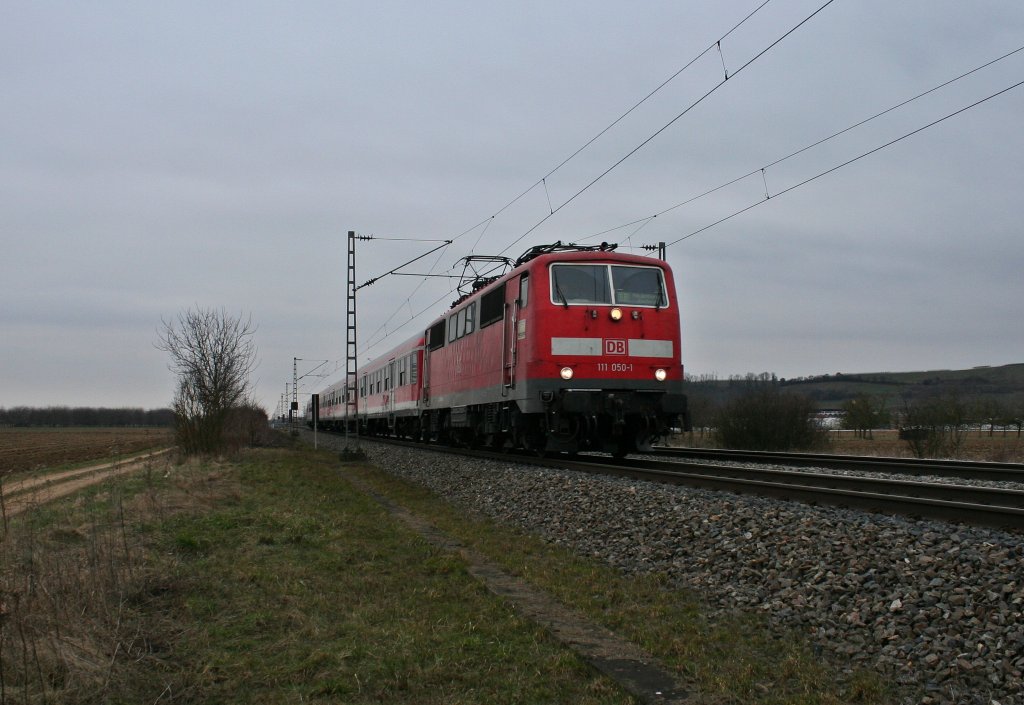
(977, 470)
(951, 502)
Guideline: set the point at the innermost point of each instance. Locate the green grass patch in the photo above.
(265, 580)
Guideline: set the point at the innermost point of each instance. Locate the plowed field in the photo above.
(23, 449)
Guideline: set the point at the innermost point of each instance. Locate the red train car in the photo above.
(388, 394)
(573, 349)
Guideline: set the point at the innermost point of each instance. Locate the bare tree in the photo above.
(765, 419)
(213, 354)
(935, 426)
(864, 413)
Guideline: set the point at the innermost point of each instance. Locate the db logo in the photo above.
(614, 346)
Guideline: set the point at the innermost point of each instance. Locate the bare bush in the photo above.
(765, 419)
(247, 426)
(935, 427)
(213, 355)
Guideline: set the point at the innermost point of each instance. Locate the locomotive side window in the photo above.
(462, 323)
(435, 336)
(413, 369)
(492, 306)
(638, 286)
(455, 322)
(470, 319)
(580, 284)
(524, 290)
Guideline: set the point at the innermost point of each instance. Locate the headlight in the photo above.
(566, 373)
(660, 374)
(616, 314)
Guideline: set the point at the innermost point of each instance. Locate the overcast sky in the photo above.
(160, 156)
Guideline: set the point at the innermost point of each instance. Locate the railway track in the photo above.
(967, 469)
(950, 501)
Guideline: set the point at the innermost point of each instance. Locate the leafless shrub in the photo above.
(935, 427)
(765, 419)
(213, 354)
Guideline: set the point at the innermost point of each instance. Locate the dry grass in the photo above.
(77, 584)
(999, 447)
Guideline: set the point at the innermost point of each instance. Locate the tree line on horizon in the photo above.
(85, 416)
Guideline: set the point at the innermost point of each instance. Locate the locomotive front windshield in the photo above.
(607, 284)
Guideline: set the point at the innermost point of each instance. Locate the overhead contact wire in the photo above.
(850, 161)
(669, 123)
(820, 142)
(624, 115)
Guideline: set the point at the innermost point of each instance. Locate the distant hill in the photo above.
(1003, 385)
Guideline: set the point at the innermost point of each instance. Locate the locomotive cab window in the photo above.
(580, 284)
(622, 285)
(638, 286)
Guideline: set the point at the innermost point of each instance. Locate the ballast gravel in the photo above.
(937, 606)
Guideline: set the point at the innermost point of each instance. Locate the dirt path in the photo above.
(16, 497)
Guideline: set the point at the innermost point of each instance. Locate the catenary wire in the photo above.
(620, 118)
(647, 219)
(667, 125)
(848, 162)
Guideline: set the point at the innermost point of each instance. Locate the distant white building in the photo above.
(830, 419)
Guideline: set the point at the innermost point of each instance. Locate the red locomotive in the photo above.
(576, 348)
